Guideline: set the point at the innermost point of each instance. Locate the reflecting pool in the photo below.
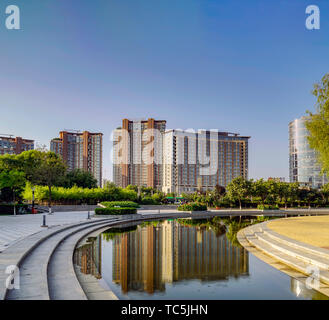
(183, 259)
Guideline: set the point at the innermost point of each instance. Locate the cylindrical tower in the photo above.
(303, 165)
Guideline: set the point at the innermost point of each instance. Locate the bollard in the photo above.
(44, 221)
(88, 218)
(49, 210)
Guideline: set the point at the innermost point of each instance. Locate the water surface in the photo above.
(184, 259)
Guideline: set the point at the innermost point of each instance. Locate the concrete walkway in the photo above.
(15, 228)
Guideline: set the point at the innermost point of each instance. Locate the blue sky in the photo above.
(241, 66)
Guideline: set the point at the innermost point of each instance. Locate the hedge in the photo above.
(267, 207)
(123, 204)
(115, 211)
(149, 201)
(9, 209)
(76, 195)
(192, 207)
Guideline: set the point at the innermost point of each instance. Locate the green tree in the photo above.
(50, 170)
(260, 188)
(308, 195)
(238, 189)
(293, 191)
(273, 188)
(219, 192)
(79, 178)
(324, 192)
(283, 192)
(29, 162)
(14, 180)
(318, 123)
(9, 162)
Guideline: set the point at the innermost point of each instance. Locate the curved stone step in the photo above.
(62, 281)
(21, 253)
(276, 252)
(294, 252)
(18, 253)
(321, 252)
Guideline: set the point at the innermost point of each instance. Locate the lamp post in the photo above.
(33, 189)
(14, 202)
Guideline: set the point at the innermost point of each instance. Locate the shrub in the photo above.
(192, 207)
(149, 200)
(9, 209)
(76, 195)
(224, 203)
(115, 211)
(122, 204)
(267, 207)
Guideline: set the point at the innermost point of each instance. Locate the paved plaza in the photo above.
(15, 228)
(310, 230)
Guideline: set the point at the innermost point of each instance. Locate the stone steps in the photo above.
(293, 253)
(299, 253)
(34, 268)
(19, 252)
(296, 244)
(45, 260)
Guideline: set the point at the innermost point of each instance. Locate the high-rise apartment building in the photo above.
(201, 160)
(11, 145)
(303, 165)
(137, 157)
(80, 150)
(147, 154)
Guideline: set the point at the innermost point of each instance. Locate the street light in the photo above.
(33, 189)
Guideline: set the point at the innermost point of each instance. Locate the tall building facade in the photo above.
(137, 153)
(11, 145)
(80, 150)
(200, 161)
(146, 154)
(303, 165)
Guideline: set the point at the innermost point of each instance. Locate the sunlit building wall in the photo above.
(303, 165)
(194, 161)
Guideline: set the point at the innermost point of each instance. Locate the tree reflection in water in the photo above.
(146, 258)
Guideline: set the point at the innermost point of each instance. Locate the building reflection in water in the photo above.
(146, 257)
(301, 290)
(89, 257)
(151, 256)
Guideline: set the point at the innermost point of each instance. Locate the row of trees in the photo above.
(38, 168)
(252, 193)
(77, 195)
(46, 174)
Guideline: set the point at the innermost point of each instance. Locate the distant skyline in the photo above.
(233, 65)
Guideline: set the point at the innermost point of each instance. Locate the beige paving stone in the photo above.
(311, 230)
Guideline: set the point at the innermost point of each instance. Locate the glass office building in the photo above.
(303, 165)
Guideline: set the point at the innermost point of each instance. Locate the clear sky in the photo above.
(235, 65)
